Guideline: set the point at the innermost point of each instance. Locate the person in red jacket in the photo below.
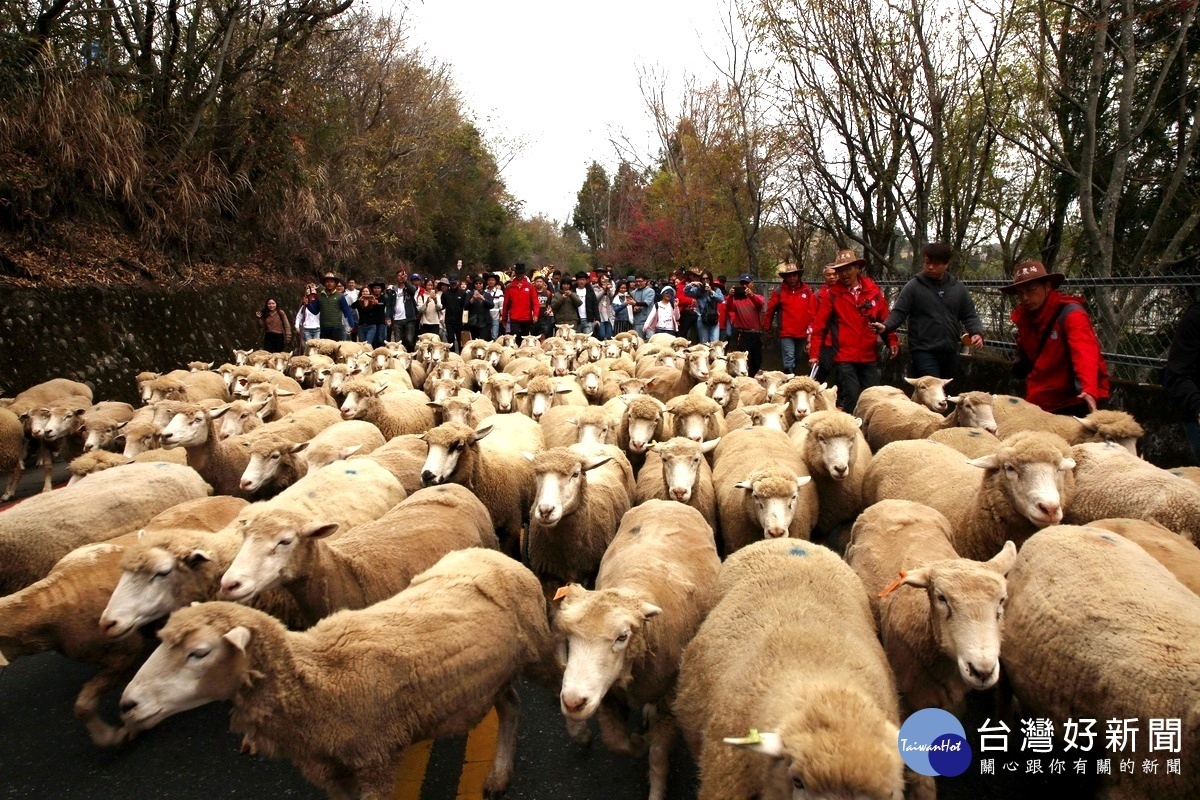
(745, 308)
(1058, 353)
(854, 303)
(689, 315)
(825, 364)
(520, 310)
(796, 305)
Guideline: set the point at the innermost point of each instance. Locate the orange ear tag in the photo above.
(891, 587)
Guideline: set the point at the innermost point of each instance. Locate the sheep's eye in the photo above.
(941, 598)
(798, 784)
(285, 542)
(198, 655)
(575, 474)
(1010, 469)
(274, 456)
(161, 574)
(624, 637)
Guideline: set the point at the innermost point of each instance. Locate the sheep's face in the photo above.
(494, 356)
(633, 387)
(801, 403)
(300, 372)
(767, 415)
(319, 456)
(186, 671)
(975, 410)
(273, 552)
(930, 392)
(1115, 427)
(456, 409)
(441, 389)
(775, 499)
(737, 364)
(139, 441)
(642, 431)
(599, 634)
(63, 421)
(696, 426)
(591, 432)
(235, 420)
(265, 462)
(38, 419)
(438, 352)
(502, 393)
(153, 583)
(560, 483)
(697, 365)
(612, 349)
(189, 429)
(447, 443)
(834, 453)
(966, 604)
(682, 461)
(355, 404)
(481, 371)
(561, 331)
(264, 398)
(1036, 489)
(100, 435)
(589, 381)
(144, 390)
(560, 361)
(772, 381)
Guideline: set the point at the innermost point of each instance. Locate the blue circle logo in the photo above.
(933, 742)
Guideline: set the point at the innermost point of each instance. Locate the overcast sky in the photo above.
(562, 78)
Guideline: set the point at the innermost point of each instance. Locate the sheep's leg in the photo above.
(10, 487)
(579, 731)
(109, 677)
(614, 729)
(508, 713)
(661, 737)
(45, 459)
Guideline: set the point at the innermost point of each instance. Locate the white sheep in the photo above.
(763, 415)
(488, 461)
(563, 426)
(241, 417)
(666, 382)
(433, 660)
(541, 392)
(642, 422)
(272, 403)
(580, 494)
(37, 532)
(404, 457)
(803, 396)
(189, 387)
(278, 460)
(1165, 546)
(1010, 494)
(789, 653)
(928, 390)
(340, 441)
(395, 413)
(100, 426)
(762, 488)
(719, 387)
(366, 564)
(896, 418)
(1097, 629)
(61, 611)
(12, 451)
(501, 389)
(943, 640)
(1015, 414)
(837, 457)
(695, 417)
(1112, 482)
(624, 640)
(678, 470)
(971, 442)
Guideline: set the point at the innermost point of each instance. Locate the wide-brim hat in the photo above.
(847, 258)
(786, 269)
(378, 283)
(330, 276)
(1029, 271)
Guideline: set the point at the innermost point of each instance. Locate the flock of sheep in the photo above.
(387, 540)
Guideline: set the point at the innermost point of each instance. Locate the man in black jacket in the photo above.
(454, 301)
(401, 319)
(1181, 375)
(935, 305)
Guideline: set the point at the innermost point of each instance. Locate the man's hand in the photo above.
(812, 362)
(878, 327)
(894, 350)
(1087, 398)
(976, 340)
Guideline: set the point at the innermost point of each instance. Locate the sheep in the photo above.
(1165, 546)
(368, 563)
(540, 393)
(394, 413)
(101, 425)
(39, 531)
(1010, 494)
(48, 392)
(1015, 414)
(93, 462)
(277, 461)
(789, 649)
(719, 387)
(749, 391)
(943, 641)
(1097, 629)
(578, 502)
(591, 380)
(678, 470)
(619, 383)
(764, 415)
(479, 370)
(928, 391)
(489, 462)
(501, 390)
(1111, 482)
(12, 451)
(437, 675)
(272, 403)
(190, 387)
(244, 384)
(140, 437)
(896, 418)
(241, 417)
(836, 455)
(563, 426)
(803, 396)
(762, 488)
(1187, 473)
(667, 382)
(61, 611)
(54, 426)
(404, 457)
(641, 423)
(695, 417)
(339, 441)
(624, 640)
(199, 366)
(144, 379)
(737, 363)
(971, 442)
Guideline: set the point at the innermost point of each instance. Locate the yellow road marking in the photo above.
(411, 774)
(477, 762)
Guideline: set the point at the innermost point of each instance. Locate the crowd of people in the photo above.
(841, 330)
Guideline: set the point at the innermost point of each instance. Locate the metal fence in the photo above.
(1134, 318)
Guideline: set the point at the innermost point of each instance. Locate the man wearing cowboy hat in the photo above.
(331, 306)
(1058, 353)
(935, 305)
(854, 303)
(796, 305)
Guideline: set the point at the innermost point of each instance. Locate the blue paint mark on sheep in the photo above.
(1013, 401)
(1107, 538)
(351, 472)
(635, 530)
(798, 551)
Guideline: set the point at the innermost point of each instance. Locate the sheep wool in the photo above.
(1166, 547)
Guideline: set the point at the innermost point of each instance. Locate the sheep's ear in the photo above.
(990, 461)
(481, 432)
(572, 421)
(219, 411)
(3, 661)
(318, 530)
(743, 485)
(954, 398)
(239, 637)
(521, 392)
(284, 393)
(822, 387)
(296, 448)
(434, 404)
(945, 381)
(710, 445)
(563, 390)
(121, 425)
(596, 461)
(346, 452)
(528, 456)
(1087, 424)
(196, 558)
(421, 436)
(383, 385)
(803, 480)
(1003, 561)
(769, 744)
(1068, 464)
(919, 578)
(911, 381)
(650, 610)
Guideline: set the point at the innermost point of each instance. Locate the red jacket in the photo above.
(1069, 363)
(520, 301)
(745, 313)
(684, 302)
(797, 306)
(848, 317)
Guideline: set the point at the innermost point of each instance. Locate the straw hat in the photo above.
(1028, 271)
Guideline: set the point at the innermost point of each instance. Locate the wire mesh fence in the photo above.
(1134, 318)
